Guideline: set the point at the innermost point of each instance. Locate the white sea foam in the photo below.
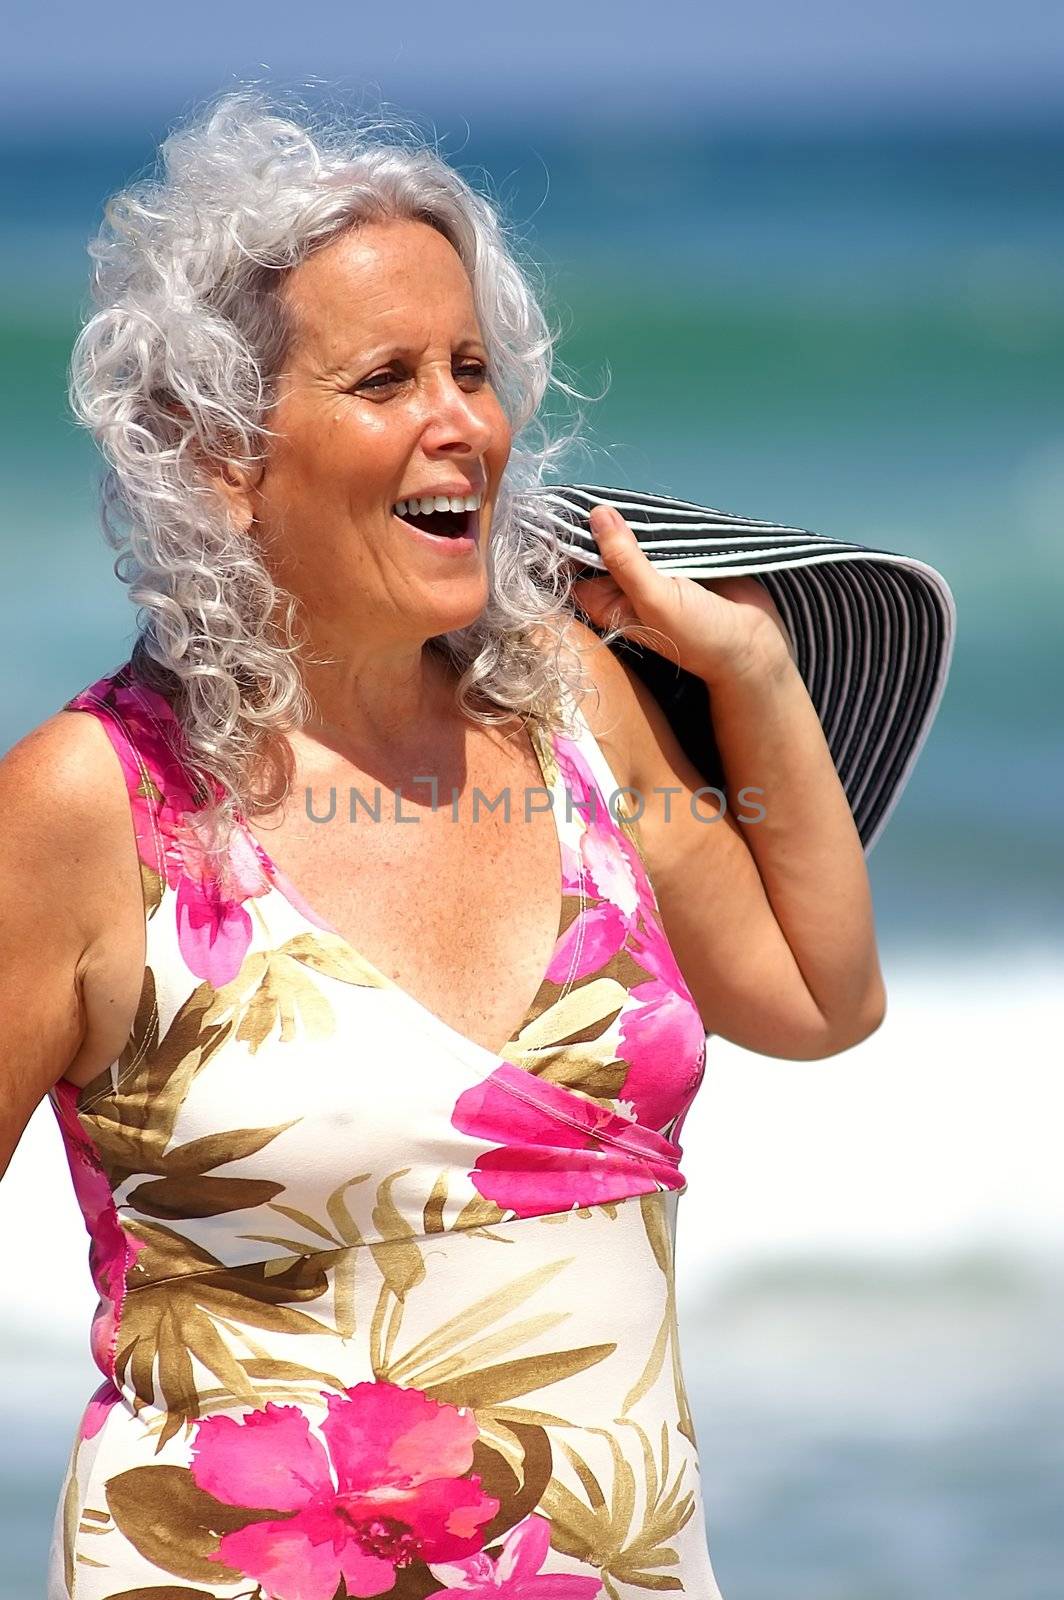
(939, 1134)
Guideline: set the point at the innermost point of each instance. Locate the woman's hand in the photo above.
(712, 628)
(790, 893)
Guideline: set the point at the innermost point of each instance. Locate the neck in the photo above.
(383, 704)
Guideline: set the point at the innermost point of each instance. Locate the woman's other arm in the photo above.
(771, 921)
(64, 823)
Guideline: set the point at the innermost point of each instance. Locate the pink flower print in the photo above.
(651, 949)
(613, 873)
(98, 1408)
(603, 927)
(572, 870)
(150, 723)
(159, 739)
(111, 1249)
(555, 1150)
(603, 868)
(663, 1039)
(515, 1573)
(610, 861)
(664, 1042)
(392, 1487)
(213, 928)
(597, 933)
(584, 794)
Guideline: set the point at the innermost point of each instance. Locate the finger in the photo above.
(625, 558)
(604, 602)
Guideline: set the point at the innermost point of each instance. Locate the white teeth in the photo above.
(440, 502)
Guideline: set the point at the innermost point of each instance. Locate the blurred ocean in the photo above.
(855, 331)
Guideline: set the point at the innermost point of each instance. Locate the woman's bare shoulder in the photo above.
(629, 723)
(66, 812)
(68, 865)
(59, 764)
(611, 706)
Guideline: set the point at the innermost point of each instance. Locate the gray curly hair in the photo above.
(181, 360)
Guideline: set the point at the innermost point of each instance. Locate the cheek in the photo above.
(302, 467)
(365, 459)
(337, 471)
(499, 450)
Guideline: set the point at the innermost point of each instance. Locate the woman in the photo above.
(386, 1275)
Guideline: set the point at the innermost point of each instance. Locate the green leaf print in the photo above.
(133, 1129)
(518, 1484)
(173, 1523)
(453, 1336)
(492, 1384)
(179, 1292)
(151, 885)
(331, 956)
(600, 1531)
(169, 1591)
(668, 1336)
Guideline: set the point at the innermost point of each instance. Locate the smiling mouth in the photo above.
(444, 524)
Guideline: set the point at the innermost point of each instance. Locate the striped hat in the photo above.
(872, 631)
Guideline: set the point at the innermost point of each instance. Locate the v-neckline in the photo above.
(279, 880)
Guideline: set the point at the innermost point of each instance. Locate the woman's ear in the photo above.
(229, 478)
(235, 483)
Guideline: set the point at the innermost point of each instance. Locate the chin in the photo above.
(457, 606)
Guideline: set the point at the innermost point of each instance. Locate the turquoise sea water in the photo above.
(862, 334)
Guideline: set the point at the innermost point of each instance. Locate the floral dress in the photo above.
(380, 1312)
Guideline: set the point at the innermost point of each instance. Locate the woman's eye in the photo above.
(475, 370)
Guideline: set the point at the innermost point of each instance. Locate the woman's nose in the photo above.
(456, 418)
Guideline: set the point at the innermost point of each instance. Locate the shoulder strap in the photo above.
(134, 727)
(210, 930)
(618, 804)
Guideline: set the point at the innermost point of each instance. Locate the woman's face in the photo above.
(385, 395)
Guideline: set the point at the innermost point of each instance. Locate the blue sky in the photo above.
(614, 58)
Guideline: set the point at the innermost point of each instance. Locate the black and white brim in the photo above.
(872, 630)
